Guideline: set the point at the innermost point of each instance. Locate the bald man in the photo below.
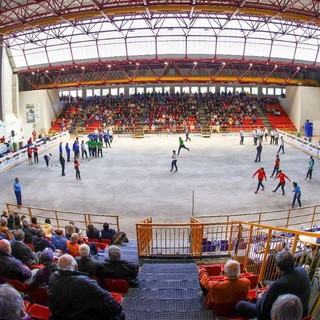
(11, 267)
(75, 294)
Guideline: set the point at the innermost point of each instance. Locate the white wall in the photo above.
(301, 104)
(49, 109)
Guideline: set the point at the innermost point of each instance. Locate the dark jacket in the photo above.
(22, 252)
(13, 268)
(74, 296)
(88, 265)
(42, 277)
(295, 282)
(29, 233)
(107, 234)
(93, 234)
(41, 243)
(120, 269)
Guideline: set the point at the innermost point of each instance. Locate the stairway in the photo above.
(264, 119)
(138, 131)
(166, 292)
(203, 122)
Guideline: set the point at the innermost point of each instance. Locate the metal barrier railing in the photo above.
(60, 218)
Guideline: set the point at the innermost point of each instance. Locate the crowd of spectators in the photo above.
(62, 261)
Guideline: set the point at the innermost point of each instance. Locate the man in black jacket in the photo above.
(29, 232)
(293, 280)
(86, 264)
(20, 250)
(74, 296)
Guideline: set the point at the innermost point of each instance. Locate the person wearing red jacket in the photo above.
(276, 166)
(282, 181)
(261, 175)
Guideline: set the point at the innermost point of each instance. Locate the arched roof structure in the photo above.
(61, 43)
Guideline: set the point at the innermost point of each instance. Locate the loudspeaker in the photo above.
(12, 133)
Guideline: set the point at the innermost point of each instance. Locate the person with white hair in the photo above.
(11, 304)
(29, 232)
(86, 263)
(116, 268)
(80, 298)
(287, 307)
(11, 267)
(20, 250)
(224, 291)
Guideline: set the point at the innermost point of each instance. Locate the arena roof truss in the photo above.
(63, 43)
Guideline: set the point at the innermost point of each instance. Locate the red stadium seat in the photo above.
(117, 296)
(213, 270)
(39, 296)
(19, 286)
(39, 312)
(106, 241)
(93, 240)
(116, 285)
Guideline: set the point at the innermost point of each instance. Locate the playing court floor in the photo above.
(133, 180)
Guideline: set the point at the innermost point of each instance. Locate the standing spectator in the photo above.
(310, 168)
(83, 150)
(293, 280)
(287, 307)
(35, 154)
(60, 148)
(181, 146)
(99, 146)
(76, 167)
(62, 162)
(259, 151)
(241, 136)
(110, 131)
(174, 161)
(261, 175)
(282, 181)
(187, 134)
(82, 297)
(75, 148)
(29, 152)
(276, 166)
(68, 151)
(281, 145)
(272, 136)
(296, 195)
(276, 137)
(17, 191)
(47, 158)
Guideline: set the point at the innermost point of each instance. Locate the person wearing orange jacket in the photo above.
(261, 175)
(282, 181)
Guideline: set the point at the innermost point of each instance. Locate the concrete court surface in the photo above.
(133, 180)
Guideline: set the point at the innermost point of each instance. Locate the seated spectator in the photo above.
(87, 264)
(230, 289)
(34, 223)
(47, 228)
(117, 237)
(10, 221)
(287, 307)
(12, 305)
(59, 240)
(41, 278)
(20, 250)
(80, 296)
(5, 214)
(72, 223)
(29, 232)
(11, 267)
(40, 242)
(4, 229)
(92, 232)
(293, 280)
(70, 229)
(16, 222)
(116, 268)
(73, 245)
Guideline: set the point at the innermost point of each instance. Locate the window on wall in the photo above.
(89, 93)
(166, 89)
(186, 89)
(264, 91)
(270, 91)
(222, 89)
(114, 91)
(65, 93)
(105, 92)
(97, 92)
(284, 90)
(158, 89)
(194, 89)
(149, 90)
(79, 93)
(177, 89)
(278, 91)
(230, 89)
(203, 89)
(140, 90)
(121, 90)
(254, 90)
(238, 89)
(132, 91)
(212, 89)
(73, 93)
(247, 90)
